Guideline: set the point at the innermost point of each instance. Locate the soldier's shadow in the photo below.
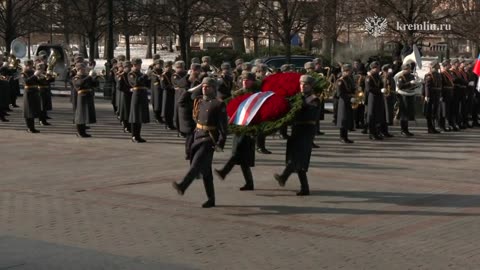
(410, 201)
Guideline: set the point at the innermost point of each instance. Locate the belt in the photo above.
(305, 123)
(204, 127)
(84, 91)
(138, 88)
(26, 87)
(43, 87)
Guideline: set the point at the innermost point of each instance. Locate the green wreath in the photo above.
(270, 127)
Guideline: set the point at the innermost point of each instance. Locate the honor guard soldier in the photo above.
(124, 94)
(237, 72)
(168, 100)
(299, 144)
(377, 123)
(459, 90)
(5, 74)
(186, 124)
(465, 105)
(474, 93)
(111, 77)
(406, 85)
(179, 81)
(31, 97)
(444, 113)
(155, 76)
(225, 82)
(85, 109)
(345, 93)
(44, 81)
(206, 63)
(139, 113)
(210, 136)
(432, 94)
(243, 147)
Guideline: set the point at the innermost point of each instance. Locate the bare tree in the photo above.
(465, 24)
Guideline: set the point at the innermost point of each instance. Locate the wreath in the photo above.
(278, 110)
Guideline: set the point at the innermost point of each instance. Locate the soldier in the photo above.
(377, 124)
(120, 60)
(85, 109)
(195, 60)
(243, 147)
(389, 85)
(139, 113)
(124, 94)
(185, 109)
(168, 100)
(444, 113)
(432, 94)
(299, 145)
(345, 93)
(359, 114)
(31, 97)
(206, 63)
(474, 94)
(466, 104)
(111, 78)
(44, 81)
(237, 72)
(179, 81)
(225, 82)
(247, 67)
(319, 67)
(261, 72)
(155, 76)
(210, 136)
(15, 84)
(459, 90)
(5, 74)
(310, 70)
(406, 85)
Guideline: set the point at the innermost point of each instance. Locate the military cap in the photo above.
(156, 56)
(206, 58)
(40, 66)
(127, 63)
(121, 58)
(468, 61)
(120, 64)
(292, 67)
(179, 64)
(209, 81)
(374, 64)
(28, 62)
(114, 61)
(385, 67)
(406, 67)
(455, 61)
(169, 64)
(195, 60)
(433, 63)
(262, 67)
(445, 62)
(248, 75)
(158, 62)
(258, 62)
(285, 67)
(136, 61)
(346, 67)
(80, 65)
(78, 58)
(225, 65)
(307, 79)
(461, 60)
(317, 61)
(246, 66)
(308, 65)
(195, 66)
(238, 61)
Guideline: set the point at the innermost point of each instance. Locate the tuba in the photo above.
(329, 92)
(359, 99)
(52, 61)
(18, 49)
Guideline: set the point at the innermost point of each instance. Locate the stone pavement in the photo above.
(107, 203)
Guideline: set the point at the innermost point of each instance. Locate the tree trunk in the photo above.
(149, 46)
(330, 28)
(256, 46)
(155, 39)
(307, 40)
(236, 27)
(127, 46)
(91, 46)
(97, 49)
(288, 48)
(83, 47)
(9, 25)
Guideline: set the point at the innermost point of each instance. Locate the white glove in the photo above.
(383, 90)
(441, 99)
(390, 70)
(471, 83)
(352, 100)
(427, 99)
(412, 81)
(37, 73)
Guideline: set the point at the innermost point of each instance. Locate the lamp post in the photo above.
(107, 89)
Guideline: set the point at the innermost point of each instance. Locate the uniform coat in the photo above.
(85, 110)
(139, 105)
(345, 91)
(31, 97)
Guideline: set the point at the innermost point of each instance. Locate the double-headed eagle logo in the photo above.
(375, 25)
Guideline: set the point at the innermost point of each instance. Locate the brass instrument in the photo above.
(329, 92)
(359, 99)
(52, 60)
(18, 50)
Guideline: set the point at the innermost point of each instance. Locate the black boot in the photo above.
(304, 190)
(226, 169)
(344, 136)
(31, 125)
(210, 190)
(404, 126)
(136, 129)
(442, 125)
(43, 119)
(81, 131)
(247, 174)
(2, 117)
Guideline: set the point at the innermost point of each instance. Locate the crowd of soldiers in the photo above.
(192, 102)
